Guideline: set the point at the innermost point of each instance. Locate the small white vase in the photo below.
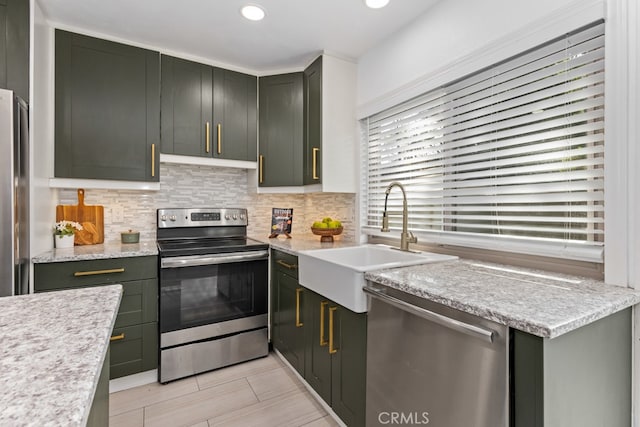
(64, 241)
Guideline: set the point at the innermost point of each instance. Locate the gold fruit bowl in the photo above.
(326, 233)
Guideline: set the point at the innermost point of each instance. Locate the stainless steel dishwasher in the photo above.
(434, 365)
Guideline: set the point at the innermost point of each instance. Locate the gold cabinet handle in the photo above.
(315, 163)
(207, 138)
(298, 322)
(97, 272)
(286, 265)
(323, 342)
(260, 167)
(153, 160)
(117, 337)
(219, 138)
(332, 349)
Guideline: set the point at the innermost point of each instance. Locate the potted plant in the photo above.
(64, 232)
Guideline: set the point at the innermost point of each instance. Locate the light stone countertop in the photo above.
(541, 303)
(53, 348)
(100, 251)
(301, 243)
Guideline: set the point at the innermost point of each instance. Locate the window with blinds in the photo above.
(513, 154)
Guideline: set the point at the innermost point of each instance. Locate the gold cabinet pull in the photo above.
(298, 322)
(97, 272)
(207, 138)
(153, 160)
(260, 167)
(286, 265)
(323, 342)
(117, 337)
(315, 163)
(332, 349)
(219, 138)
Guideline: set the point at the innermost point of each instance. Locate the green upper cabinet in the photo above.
(207, 111)
(14, 46)
(310, 127)
(281, 131)
(313, 122)
(107, 118)
(235, 102)
(187, 107)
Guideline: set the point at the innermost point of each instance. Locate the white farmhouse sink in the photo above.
(338, 274)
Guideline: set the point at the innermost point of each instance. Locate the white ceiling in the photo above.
(291, 35)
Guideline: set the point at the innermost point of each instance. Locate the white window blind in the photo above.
(509, 157)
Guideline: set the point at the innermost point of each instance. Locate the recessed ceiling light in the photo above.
(376, 4)
(253, 12)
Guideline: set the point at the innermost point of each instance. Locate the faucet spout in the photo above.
(406, 237)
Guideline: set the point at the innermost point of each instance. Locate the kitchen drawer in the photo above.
(139, 303)
(136, 352)
(285, 263)
(72, 274)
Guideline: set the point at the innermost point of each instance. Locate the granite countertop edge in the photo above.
(622, 299)
(109, 250)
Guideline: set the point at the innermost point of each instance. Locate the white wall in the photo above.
(43, 199)
(426, 53)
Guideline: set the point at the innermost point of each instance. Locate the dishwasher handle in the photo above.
(445, 321)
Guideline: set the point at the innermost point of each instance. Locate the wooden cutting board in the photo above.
(90, 216)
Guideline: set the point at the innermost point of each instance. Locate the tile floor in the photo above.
(262, 392)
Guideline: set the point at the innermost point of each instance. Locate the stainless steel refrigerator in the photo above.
(14, 195)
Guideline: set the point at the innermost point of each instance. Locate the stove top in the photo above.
(203, 246)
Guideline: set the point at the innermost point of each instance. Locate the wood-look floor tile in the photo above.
(133, 418)
(291, 409)
(149, 394)
(235, 372)
(201, 405)
(273, 383)
(326, 421)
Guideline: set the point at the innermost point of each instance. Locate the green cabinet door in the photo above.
(107, 115)
(281, 136)
(313, 123)
(14, 47)
(348, 366)
(288, 325)
(317, 357)
(235, 99)
(187, 107)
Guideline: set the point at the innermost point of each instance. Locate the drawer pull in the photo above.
(117, 337)
(298, 322)
(285, 265)
(97, 272)
(332, 349)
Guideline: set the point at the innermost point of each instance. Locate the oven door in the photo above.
(212, 295)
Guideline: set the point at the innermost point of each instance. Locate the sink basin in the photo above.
(338, 274)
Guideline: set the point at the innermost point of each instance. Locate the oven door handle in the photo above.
(212, 259)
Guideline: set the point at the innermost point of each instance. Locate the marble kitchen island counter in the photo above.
(53, 349)
(537, 302)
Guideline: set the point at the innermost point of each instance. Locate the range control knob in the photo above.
(227, 217)
(163, 218)
(173, 218)
(235, 216)
(242, 216)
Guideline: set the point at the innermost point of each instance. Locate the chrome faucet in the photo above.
(406, 237)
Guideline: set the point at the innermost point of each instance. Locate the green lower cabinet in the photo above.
(134, 341)
(288, 331)
(335, 357)
(134, 349)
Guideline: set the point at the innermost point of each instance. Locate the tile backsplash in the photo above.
(206, 186)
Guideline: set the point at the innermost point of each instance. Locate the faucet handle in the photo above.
(412, 238)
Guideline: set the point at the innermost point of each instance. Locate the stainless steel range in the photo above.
(213, 291)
